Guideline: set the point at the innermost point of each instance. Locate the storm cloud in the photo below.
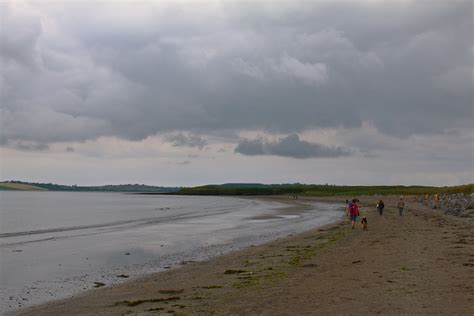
(403, 66)
(290, 146)
(176, 92)
(180, 139)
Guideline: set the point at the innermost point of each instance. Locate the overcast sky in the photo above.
(196, 92)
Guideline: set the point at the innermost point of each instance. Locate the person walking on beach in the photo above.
(354, 212)
(380, 207)
(401, 206)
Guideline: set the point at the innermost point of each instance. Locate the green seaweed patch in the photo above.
(302, 254)
(99, 284)
(154, 309)
(209, 287)
(255, 280)
(248, 277)
(171, 292)
(153, 300)
(309, 265)
(249, 263)
(234, 271)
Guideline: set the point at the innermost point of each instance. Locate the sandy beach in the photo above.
(418, 264)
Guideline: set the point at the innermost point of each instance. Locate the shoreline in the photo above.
(419, 264)
(276, 209)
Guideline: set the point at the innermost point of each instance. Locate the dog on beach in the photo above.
(364, 223)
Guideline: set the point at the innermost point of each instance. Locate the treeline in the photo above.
(319, 190)
(138, 188)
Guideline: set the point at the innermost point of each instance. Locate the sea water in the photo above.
(57, 244)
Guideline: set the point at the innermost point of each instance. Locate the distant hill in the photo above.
(15, 186)
(319, 190)
(133, 188)
(241, 185)
(241, 189)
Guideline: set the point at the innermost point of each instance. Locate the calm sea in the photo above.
(57, 244)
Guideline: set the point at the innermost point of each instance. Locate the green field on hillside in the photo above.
(7, 186)
(129, 188)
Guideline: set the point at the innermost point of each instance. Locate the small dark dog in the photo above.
(364, 222)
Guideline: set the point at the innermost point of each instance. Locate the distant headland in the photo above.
(34, 186)
(242, 189)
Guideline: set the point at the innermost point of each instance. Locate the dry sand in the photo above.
(419, 264)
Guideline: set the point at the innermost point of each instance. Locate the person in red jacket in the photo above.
(354, 212)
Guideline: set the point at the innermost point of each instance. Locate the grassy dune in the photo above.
(389, 190)
(321, 190)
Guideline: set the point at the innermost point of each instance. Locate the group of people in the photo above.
(353, 211)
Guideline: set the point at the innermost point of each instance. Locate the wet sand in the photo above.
(419, 264)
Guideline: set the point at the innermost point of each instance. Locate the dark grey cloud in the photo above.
(74, 74)
(290, 146)
(19, 37)
(251, 147)
(180, 140)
